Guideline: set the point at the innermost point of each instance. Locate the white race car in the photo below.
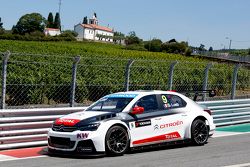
(131, 119)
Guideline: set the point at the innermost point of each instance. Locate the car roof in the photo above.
(147, 92)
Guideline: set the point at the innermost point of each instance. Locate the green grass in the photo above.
(87, 49)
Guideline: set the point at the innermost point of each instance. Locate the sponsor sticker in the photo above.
(156, 127)
(132, 125)
(168, 125)
(121, 96)
(172, 124)
(82, 135)
(66, 121)
(142, 123)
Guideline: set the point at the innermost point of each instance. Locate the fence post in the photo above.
(73, 81)
(234, 82)
(6, 56)
(127, 74)
(204, 87)
(171, 73)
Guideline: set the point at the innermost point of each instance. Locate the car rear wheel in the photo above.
(199, 131)
(117, 141)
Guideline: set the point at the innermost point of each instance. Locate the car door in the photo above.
(173, 124)
(142, 129)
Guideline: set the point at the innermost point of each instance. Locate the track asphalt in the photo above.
(36, 152)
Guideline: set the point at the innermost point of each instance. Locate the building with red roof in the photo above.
(52, 31)
(93, 31)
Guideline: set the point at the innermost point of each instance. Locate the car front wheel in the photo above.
(117, 141)
(199, 131)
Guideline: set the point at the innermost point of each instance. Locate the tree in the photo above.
(68, 33)
(1, 27)
(154, 45)
(172, 41)
(210, 49)
(202, 47)
(118, 37)
(248, 51)
(85, 20)
(50, 23)
(29, 23)
(57, 22)
(132, 38)
(174, 47)
(1, 24)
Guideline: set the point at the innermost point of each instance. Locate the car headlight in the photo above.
(89, 127)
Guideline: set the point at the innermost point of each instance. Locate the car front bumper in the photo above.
(77, 142)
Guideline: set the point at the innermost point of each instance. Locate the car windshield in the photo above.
(110, 104)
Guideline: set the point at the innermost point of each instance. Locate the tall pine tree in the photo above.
(57, 22)
(1, 24)
(50, 23)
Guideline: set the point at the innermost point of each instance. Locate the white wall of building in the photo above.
(105, 33)
(52, 32)
(91, 34)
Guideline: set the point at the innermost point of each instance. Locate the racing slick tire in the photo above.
(199, 132)
(116, 141)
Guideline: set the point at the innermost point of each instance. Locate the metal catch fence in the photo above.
(31, 80)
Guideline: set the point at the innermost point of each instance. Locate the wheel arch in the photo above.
(122, 125)
(188, 130)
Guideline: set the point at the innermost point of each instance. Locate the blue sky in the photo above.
(206, 22)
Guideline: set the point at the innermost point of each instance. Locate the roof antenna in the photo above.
(60, 3)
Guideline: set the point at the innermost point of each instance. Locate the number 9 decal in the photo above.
(164, 99)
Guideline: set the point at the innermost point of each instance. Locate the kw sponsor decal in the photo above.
(142, 123)
(82, 135)
(165, 137)
(66, 122)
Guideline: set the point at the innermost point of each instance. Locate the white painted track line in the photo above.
(239, 165)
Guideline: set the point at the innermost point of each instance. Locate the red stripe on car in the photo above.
(168, 136)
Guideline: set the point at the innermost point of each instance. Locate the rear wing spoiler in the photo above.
(197, 93)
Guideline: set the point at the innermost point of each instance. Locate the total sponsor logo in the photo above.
(167, 125)
(66, 122)
(174, 135)
(82, 135)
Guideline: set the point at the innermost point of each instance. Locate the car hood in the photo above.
(84, 117)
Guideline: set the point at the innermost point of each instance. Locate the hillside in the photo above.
(41, 72)
(85, 49)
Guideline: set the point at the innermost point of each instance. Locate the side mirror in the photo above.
(137, 110)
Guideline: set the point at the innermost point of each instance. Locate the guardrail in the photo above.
(29, 127)
(229, 112)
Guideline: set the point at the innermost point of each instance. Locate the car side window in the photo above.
(149, 103)
(172, 101)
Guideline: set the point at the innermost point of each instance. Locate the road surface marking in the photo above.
(239, 165)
